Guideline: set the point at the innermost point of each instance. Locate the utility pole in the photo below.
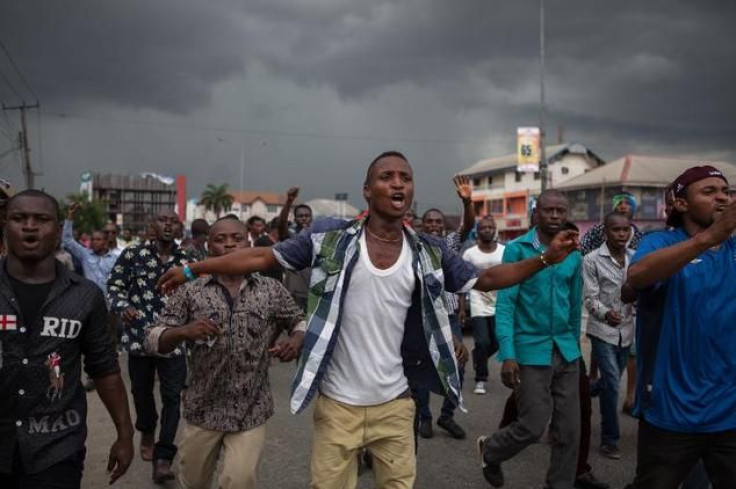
(543, 169)
(23, 141)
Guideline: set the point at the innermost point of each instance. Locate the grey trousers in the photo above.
(544, 393)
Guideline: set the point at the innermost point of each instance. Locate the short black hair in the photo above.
(385, 154)
(302, 206)
(253, 219)
(229, 217)
(551, 193)
(614, 215)
(199, 227)
(274, 223)
(31, 192)
(433, 209)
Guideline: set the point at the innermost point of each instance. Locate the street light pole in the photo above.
(543, 168)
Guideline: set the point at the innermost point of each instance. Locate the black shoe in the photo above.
(449, 425)
(162, 471)
(491, 472)
(425, 428)
(588, 481)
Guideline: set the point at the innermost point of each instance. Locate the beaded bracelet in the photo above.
(188, 273)
(543, 260)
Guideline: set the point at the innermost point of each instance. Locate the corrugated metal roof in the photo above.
(638, 170)
(553, 153)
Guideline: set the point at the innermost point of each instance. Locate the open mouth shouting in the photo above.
(398, 200)
(30, 241)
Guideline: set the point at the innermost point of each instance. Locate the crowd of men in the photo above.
(373, 309)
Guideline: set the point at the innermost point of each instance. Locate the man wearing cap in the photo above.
(686, 394)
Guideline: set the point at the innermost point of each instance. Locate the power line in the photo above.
(17, 70)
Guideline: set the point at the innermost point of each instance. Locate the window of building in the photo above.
(476, 182)
(565, 170)
(490, 181)
(537, 175)
(518, 176)
(495, 206)
(273, 209)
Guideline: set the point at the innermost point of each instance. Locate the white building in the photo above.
(500, 190)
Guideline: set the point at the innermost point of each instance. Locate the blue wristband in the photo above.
(188, 273)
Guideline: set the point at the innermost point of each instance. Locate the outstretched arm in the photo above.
(243, 262)
(509, 274)
(662, 264)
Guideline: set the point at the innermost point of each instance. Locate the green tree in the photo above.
(217, 198)
(91, 214)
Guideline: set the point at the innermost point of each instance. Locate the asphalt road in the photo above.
(443, 462)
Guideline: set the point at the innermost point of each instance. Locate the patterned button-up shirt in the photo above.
(43, 407)
(596, 236)
(603, 277)
(133, 282)
(331, 248)
(95, 267)
(228, 388)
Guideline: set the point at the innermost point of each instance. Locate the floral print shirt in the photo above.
(132, 283)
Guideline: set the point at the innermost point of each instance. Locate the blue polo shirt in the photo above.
(686, 341)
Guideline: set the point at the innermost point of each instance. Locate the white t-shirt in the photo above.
(366, 367)
(483, 303)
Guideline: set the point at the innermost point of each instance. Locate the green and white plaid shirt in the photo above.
(331, 248)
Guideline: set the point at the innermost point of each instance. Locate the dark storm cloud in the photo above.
(627, 76)
(163, 54)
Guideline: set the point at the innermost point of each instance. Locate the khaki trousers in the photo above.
(341, 430)
(200, 448)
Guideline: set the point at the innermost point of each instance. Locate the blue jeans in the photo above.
(486, 345)
(611, 361)
(421, 396)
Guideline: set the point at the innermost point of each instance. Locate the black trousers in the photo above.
(665, 458)
(66, 474)
(172, 375)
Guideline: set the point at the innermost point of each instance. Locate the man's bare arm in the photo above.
(662, 264)
(243, 262)
(509, 274)
(111, 390)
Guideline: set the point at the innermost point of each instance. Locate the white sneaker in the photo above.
(480, 388)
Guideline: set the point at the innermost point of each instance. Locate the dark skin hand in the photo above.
(510, 374)
(613, 318)
(510, 274)
(200, 329)
(130, 314)
(111, 390)
(289, 349)
(461, 352)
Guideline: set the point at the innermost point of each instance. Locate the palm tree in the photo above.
(217, 198)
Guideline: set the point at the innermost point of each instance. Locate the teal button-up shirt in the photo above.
(543, 311)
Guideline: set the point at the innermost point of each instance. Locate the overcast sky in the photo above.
(311, 91)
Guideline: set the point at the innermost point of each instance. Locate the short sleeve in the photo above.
(295, 253)
(652, 242)
(460, 275)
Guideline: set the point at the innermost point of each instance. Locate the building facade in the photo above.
(645, 177)
(500, 190)
(131, 201)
